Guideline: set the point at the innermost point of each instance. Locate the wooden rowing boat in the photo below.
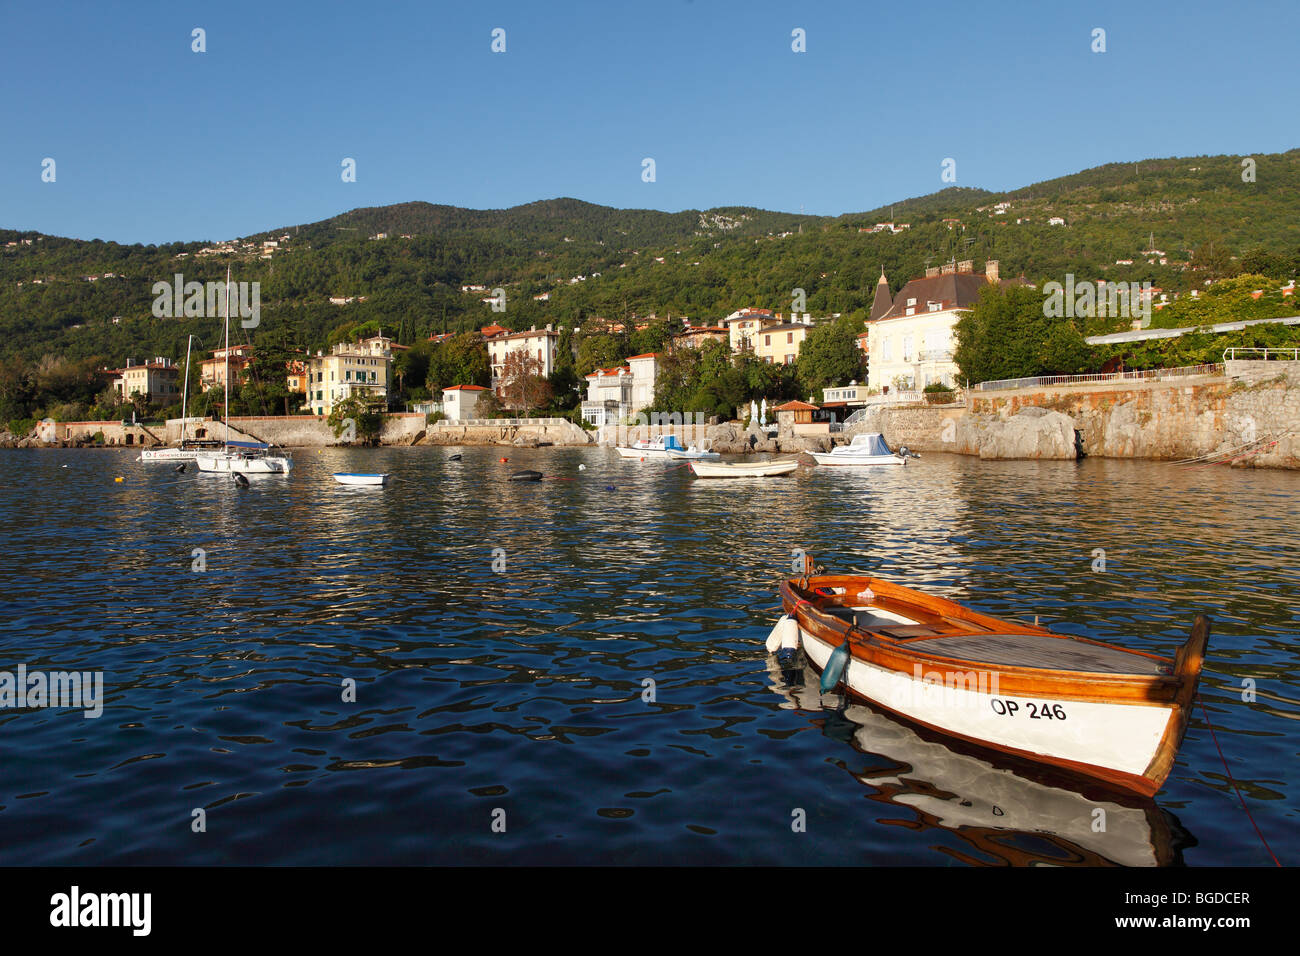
(744, 469)
(1094, 709)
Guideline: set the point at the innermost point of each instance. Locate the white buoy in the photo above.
(785, 634)
(582, 468)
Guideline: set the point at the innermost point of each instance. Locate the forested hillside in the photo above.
(596, 260)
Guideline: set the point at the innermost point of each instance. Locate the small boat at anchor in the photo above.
(360, 478)
(863, 450)
(744, 469)
(694, 454)
(1097, 710)
(240, 457)
(651, 447)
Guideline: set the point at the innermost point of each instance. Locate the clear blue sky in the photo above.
(155, 143)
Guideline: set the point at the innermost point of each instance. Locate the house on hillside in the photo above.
(779, 344)
(911, 343)
(539, 344)
(350, 370)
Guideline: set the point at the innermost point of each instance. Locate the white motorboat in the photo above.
(358, 478)
(869, 449)
(651, 447)
(744, 469)
(694, 454)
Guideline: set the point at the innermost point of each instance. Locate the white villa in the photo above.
(615, 394)
(538, 343)
(911, 343)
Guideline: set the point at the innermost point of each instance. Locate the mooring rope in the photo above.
(1220, 456)
(1206, 715)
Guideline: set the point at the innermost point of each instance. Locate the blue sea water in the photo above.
(573, 671)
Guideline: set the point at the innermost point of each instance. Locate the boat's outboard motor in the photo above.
(240, 480)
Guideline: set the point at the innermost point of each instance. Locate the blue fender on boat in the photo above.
(835, 665)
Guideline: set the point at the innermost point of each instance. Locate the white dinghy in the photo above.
(360, 478)
(744, 469)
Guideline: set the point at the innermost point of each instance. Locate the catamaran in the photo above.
(240, 457)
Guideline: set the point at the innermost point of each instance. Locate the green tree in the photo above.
(1007, 335)
(459, 360)
(830, 355)
(366, 421)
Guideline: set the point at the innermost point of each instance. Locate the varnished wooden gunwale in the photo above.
(895, 655)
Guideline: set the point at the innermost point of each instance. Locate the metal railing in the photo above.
(1100, 378)
(1278, 355)
(502, 422)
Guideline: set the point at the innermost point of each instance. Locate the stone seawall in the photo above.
(505, 433)
(307, 431)
(1254, 404)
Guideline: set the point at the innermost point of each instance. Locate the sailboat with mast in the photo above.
(189, 448)
(240, 457)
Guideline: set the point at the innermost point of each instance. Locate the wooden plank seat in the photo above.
(1033, 650)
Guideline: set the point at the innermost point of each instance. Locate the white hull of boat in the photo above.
(641, 452)
(239, 465)
(357, 479)
(964, 791)
(824, 458)
(694, 455)
(1122, 737)
(757, 469)
(170, 454)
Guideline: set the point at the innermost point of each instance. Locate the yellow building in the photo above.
(360, 370)
(779, 344)
(212, 371)
(159, 380)
(743, 325)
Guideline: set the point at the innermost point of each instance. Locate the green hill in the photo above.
(592, 259)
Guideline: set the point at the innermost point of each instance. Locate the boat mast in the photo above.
(185, 389)
(226, 416)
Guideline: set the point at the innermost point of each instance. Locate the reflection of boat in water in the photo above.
(1013, 812)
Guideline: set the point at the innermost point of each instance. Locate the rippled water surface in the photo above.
(525, 691)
